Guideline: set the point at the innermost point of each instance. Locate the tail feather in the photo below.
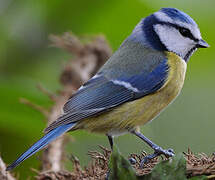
(46, 139)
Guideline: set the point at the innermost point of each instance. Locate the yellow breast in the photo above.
(133, 114)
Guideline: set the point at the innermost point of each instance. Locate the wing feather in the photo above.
(101, 94)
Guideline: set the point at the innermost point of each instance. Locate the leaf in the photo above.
(120, 168)
(174, 168)
(199, 178)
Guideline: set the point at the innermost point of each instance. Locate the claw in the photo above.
(146, 159)
(169, 153)
(107, 175)
(132, 161)
(158, 151)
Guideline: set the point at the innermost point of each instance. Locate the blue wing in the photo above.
(98, 95)
(101, 93)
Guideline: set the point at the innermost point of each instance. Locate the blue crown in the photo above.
(176, 14)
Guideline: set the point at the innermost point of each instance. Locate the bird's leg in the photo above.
(157, 149)
(110, 139)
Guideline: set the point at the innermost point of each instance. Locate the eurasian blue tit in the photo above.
(139, 80)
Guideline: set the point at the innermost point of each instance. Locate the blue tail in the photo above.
(46, 139)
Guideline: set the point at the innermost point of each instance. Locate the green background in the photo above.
(27, 59)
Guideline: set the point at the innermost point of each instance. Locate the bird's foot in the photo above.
(107, 175)
(157, 152)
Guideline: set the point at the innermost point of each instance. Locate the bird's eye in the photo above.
(185, 32)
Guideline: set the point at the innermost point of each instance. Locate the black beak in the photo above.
(202, 44)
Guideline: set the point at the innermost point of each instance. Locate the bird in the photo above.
(136, 83)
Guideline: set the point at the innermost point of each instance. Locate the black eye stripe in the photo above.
(185, 32)
(180, 29)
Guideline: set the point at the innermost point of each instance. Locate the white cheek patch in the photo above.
(173, 40)
(193, 28)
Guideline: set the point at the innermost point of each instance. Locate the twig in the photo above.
(68, 42)
(35, 106)
(211, 177)
(45, 91)
(4, 175)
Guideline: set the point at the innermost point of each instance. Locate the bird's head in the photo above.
(170, 29)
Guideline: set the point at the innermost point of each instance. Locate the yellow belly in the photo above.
(134, 114)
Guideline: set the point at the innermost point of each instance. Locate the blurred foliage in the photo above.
(27, 59)
(175, 169)
(167, 170)
(120, 168)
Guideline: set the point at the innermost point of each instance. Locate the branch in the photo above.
(35, 106)
(53, 154)
(45, 91)
(4, 175)
(88, 59)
